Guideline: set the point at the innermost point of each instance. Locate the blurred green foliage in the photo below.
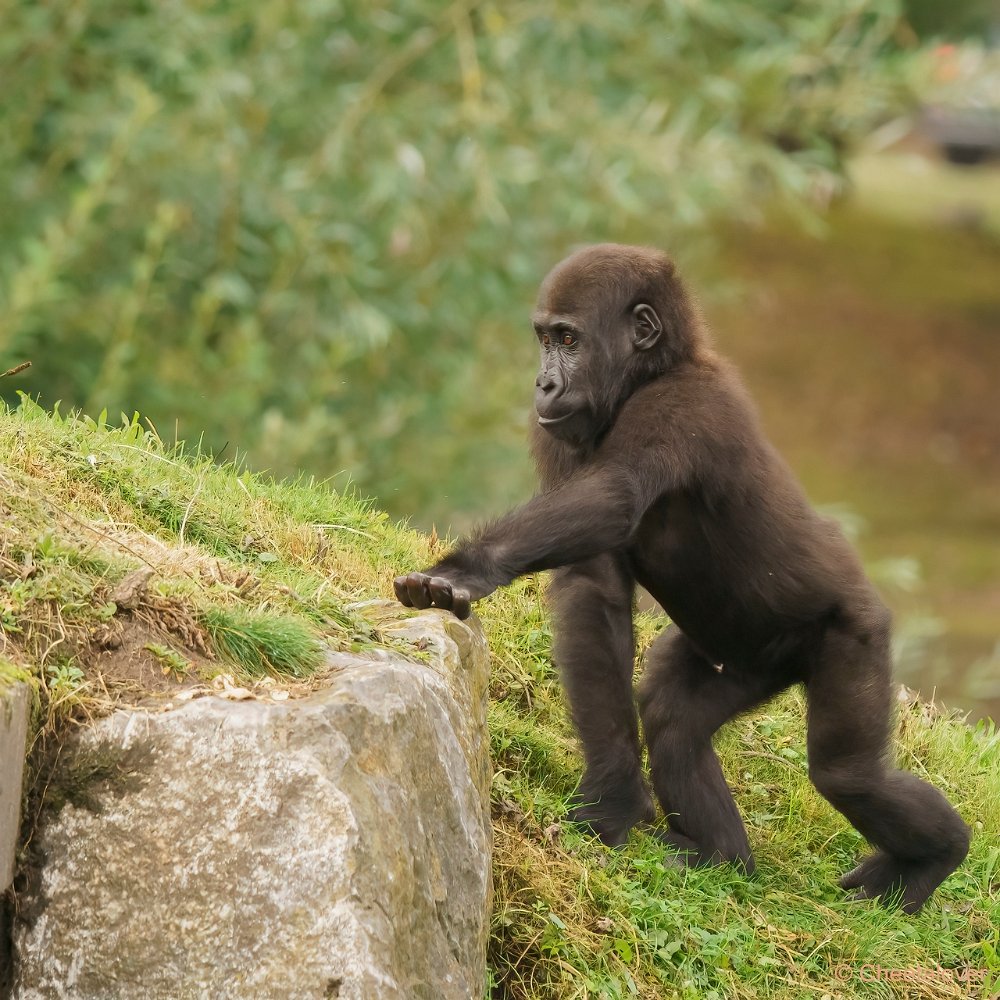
(956, 19)
(313, 230)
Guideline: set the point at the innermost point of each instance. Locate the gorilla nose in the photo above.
(545, 384)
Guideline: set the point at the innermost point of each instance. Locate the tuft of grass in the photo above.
(263, 643)
(169, 659)
(66, 687)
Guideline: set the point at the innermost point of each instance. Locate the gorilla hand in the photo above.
(418, 590)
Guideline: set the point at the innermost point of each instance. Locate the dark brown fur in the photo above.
(654, 470)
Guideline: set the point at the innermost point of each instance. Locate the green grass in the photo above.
(254, 574)
(239, 568)
(262, 644)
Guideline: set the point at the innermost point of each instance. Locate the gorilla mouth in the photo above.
(549, 421)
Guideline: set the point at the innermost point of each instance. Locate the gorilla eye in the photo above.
(546, 340)
(568, 340)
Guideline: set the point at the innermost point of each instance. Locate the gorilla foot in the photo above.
(690, 854)
(894, 881)
(610, 817)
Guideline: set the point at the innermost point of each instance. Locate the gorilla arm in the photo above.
(595, 510)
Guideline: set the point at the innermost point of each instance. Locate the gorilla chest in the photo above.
(677, 556)
(671, 548)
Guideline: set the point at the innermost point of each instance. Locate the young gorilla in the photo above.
(654, 469)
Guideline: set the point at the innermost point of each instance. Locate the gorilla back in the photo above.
(654, 469)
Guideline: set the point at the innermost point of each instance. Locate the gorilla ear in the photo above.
(646, 327)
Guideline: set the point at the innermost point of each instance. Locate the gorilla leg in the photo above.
(919, 838)
(595, 653)
(684, 700)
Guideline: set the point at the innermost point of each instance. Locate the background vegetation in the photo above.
(312, 231)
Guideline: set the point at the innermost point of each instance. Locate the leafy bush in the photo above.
(313, 228)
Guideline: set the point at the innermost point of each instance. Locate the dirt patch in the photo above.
(122, 657)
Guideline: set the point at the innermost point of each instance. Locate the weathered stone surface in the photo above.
(15, 703)
(332, 846)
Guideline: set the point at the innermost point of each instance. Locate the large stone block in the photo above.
(15, 704)
(336, 845)
(15, 708)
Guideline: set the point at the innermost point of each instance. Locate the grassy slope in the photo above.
(257, 572)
